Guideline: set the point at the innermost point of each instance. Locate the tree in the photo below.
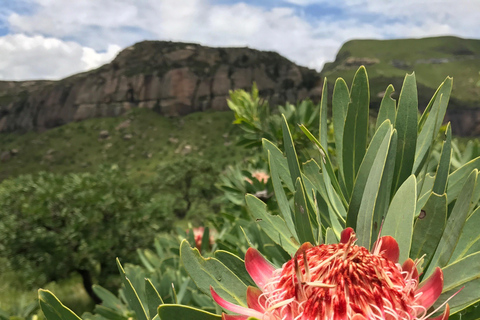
(52, 225)
(188, 185)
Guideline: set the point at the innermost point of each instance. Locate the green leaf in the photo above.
(278, 254)
(211, 272)
(363, 174)
(136, 275)
(191, 237)
(330, 238)
(426, 112)
(457, 178)
(153, 297)
(145, 261)
(279, 169)
(399, 220)
(426, 137)
(440, 184)
(367, 206)
(323, 128)
(468, 313)
(53, 308)
(445, 90)
(133, 299)
(429, 227)
(109, 300)
(387, 109)
(466, 298)
(235, 264)
(454, 226)
(426, 185)
(281, 161)
(205, 245)
(406, 125)
(109, 313)
(314, 180)
(336, 210)
(385, 191)
(469, 241)
(356, 128)
(430, 122)
(303, 224)
(183, 290)
(328, 164)
(461, 271)
(274, 226)
(340, 100)
(181, 312)
(464, 272)
(292, 159)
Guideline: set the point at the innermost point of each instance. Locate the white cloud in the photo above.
(38, 57)
(278, 29)
(291, 31)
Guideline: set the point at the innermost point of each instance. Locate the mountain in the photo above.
(432, 59)
(171, 78)
(175, 79)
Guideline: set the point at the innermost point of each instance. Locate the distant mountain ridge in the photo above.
(432, 59)
(176, 79)
(169, 77)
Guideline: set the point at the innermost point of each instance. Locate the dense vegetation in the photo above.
(64, 183)
(357, 173)
(52, 224)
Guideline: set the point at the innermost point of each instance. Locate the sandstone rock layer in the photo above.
(172, 78)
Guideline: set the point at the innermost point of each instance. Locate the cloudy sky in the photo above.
(51, 39)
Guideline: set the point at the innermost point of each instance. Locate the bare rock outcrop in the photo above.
(172, 78)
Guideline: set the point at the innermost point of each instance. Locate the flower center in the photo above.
(338, 281)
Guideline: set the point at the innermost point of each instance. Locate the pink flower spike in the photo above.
(445, 314)
(358, 316)
(233, 307)
(430, 289)
(258, 268)
(388, 247)
(253, 299)
(346, 234)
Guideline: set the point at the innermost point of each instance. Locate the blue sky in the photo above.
(51, 39)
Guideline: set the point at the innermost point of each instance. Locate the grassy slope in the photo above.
(76, 147)
(464, 66)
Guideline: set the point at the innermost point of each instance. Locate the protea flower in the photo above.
(338, 281)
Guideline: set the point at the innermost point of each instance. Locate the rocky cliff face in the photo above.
(171, 78)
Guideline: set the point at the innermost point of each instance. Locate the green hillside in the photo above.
(145, 141)
(432, 59)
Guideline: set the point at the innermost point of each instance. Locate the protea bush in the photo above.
(373, 226)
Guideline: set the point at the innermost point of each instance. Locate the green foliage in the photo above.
(52, 225)
(258, 121)
(187, 187)
(397, 174)
(399, 165)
